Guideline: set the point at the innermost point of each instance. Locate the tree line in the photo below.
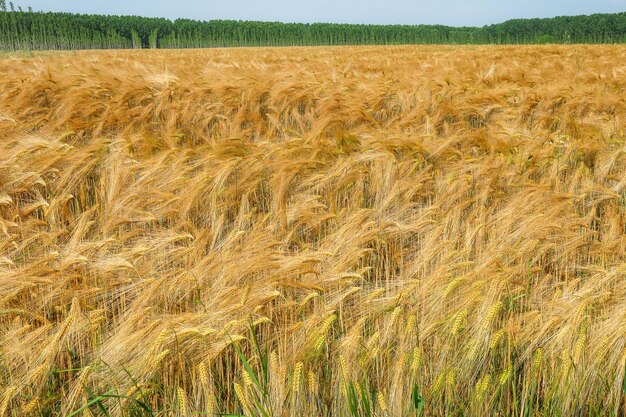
(29, 30)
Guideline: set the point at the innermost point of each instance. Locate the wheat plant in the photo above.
(358, 231)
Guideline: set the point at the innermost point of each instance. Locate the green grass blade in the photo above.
(247, 366)
(263, 356)
(418, 401)
(143, 396)
(94, 400)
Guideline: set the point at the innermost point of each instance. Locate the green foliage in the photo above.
(545, 39)
(418, 401)
(360, 401)
(261, 398)
(136, 40)
(152, 39)
(44, 30)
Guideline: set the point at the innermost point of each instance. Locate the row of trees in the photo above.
(21, 30)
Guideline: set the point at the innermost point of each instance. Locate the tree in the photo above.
(39, 30)
(136, 40)
(152, 39)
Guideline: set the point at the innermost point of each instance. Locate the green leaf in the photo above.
(353, 401)
(94, 400)
(263, 356)
(366, 402)
(143, 396)
(253, 376)
(247, 366)
(418, 401)
(228, 415)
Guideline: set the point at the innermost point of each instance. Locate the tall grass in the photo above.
(328, 231)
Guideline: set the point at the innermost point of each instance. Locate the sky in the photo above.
(446, 12)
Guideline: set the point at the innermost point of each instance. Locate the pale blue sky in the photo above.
(448, 12)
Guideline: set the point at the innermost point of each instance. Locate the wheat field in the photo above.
(332, 231)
